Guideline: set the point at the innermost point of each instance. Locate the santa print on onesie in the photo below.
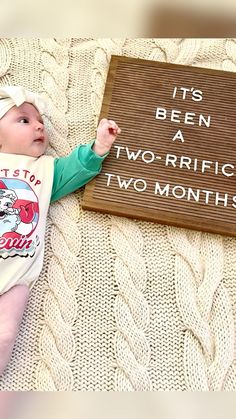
(19, 215)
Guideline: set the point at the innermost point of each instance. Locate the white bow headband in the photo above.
(16, 95)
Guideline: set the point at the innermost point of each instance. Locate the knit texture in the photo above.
(120, 304)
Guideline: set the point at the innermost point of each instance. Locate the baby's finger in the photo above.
(117, 129)
(112, 124)
(114, 131)
(103, 121)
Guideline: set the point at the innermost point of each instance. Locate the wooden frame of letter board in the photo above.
(134, 89)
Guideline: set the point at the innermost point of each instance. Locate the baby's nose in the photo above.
(39, 125)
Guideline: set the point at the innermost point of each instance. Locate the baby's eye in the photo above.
(23, 120)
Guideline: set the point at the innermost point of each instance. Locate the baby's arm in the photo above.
(107, 132)
(84, 163)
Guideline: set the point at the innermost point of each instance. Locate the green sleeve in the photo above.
(73, 171)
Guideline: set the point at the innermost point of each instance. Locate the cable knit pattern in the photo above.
(205, 307)
(105, 48)
(5, 60)
(202, 299)
(57, 346)
(54, 82)
(132, 351)
(188, 51)
(120, 304)
(169, 49)
(131, 309)
(229, 63)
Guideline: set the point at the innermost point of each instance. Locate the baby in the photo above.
(29, 181)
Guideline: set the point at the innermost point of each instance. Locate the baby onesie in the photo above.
(27, 186)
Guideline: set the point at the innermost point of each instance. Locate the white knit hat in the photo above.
(16, 95)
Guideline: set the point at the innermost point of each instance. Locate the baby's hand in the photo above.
(107, 132)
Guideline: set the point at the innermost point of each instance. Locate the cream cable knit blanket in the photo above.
(120, 304)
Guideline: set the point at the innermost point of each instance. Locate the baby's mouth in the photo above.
(39, 140)
(2, 214)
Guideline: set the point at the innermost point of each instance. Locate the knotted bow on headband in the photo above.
(16, 95)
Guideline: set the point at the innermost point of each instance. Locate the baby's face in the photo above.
(22, 131)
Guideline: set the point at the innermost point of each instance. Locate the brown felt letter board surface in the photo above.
(175, 159)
